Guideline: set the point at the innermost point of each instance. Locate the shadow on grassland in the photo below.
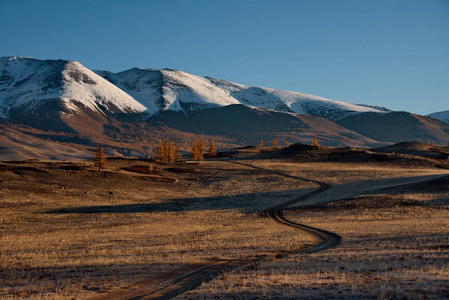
(253, 202)
(247, 203)
(94, 277)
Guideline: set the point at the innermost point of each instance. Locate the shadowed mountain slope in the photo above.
(442, 116)
(398, 127)
(416, 148)
(248, 125)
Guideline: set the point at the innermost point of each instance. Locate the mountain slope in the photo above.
(130, 110)
(281, 100)
(49, 91)
(247, 125)
(442, 116)
(398, 127)
(415, 148)
(168, 89)
(60, 94)
(164, 89)
(16, 145)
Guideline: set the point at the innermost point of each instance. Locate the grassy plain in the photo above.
(395, 241)
(68, 231)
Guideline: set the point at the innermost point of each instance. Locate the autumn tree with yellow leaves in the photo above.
(100, 158)
(167, 152)
(198, 150)
(212, 152)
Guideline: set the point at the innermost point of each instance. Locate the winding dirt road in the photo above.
(169, 284)
(323, 239)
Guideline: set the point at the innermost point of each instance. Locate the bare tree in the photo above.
(315, 142)
(275, 142)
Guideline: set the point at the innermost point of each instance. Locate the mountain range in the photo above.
(63, 102)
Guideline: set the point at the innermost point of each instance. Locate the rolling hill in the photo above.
(396, 127)
(442, 116)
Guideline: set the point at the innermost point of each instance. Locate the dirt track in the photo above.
(323, 239)
(175, 282)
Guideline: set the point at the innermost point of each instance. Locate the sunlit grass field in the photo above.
(68, 231)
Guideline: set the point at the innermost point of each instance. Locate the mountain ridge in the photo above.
(59, 94)
(177, 89)
(147, 90)
(441, 115)
(68, 104)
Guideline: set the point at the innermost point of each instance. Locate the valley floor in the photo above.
(399, 252)
(68, 231)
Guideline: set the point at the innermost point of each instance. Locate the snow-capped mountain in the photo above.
(442, 116)
(295, 102)
(176, 90)
(31, 87)
(57, 90)
(72, 104)
(164, 89)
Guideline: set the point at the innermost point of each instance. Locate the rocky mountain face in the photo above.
(65, 103)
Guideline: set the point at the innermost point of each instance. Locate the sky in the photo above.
(392, 53)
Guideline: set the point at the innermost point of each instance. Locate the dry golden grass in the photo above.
(75, 233)
(71, 232)
(351, 179)
(395, 246)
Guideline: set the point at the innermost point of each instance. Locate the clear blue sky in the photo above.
(392, 53)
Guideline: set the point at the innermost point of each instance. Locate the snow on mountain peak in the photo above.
(90, 89)
(288, 101)
(162, 89)
(27, 83)
(187, 88)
